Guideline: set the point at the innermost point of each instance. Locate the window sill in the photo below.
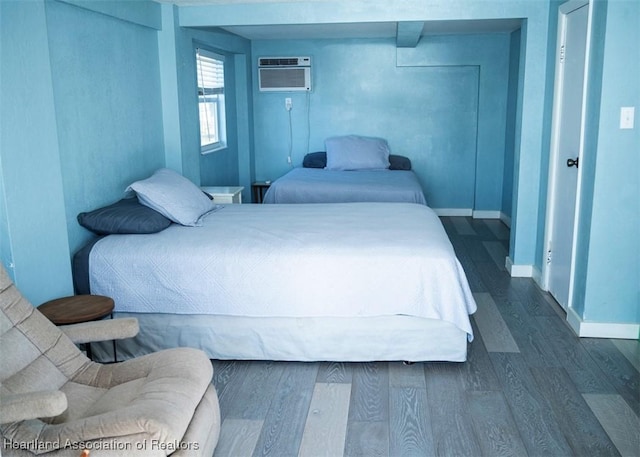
(210, 150)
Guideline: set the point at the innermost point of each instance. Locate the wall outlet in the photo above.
(288, 104)
(627, 114)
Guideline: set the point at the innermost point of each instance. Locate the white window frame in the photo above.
(212, 124)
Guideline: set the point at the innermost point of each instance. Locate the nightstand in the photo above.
(258, 190)
(77, 309)
(224, 194)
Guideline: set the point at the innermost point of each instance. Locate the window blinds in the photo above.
(210, 69)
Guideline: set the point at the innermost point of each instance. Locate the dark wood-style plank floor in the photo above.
(530, 387)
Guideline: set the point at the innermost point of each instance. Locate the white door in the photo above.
(566, 141)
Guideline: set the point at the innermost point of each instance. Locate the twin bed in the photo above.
(350, 281)
(313, 183)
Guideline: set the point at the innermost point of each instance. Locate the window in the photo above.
(210, 69)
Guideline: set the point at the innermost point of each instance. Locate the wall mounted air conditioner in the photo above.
(284, 74)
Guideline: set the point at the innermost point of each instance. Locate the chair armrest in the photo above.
(107, 329)
(32, 405)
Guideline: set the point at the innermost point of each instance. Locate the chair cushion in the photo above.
(204, 428)
(150, 398)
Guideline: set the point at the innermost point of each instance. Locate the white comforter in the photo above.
(345, 259)
(313, 185)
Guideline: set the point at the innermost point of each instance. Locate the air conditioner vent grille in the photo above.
(278, 62)
(281, 80)
(284, 62)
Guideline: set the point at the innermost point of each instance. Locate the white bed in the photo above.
(313, 183)
(340, 282)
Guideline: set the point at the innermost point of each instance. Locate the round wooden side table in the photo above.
(77, 309)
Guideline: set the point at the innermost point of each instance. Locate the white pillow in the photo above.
(173, 196)
(354, 152)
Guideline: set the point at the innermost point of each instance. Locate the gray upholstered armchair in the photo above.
(57, 402)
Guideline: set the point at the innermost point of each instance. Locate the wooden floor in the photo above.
(529, 387)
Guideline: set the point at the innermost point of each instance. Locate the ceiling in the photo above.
(350, 30)
(369, 29)
(231, 2)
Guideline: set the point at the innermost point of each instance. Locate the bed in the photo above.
(352, 168)
(337, 282)
(313, 183)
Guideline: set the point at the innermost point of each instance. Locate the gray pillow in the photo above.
(399, 162)
(319, 160)
(126, 216)
(353, 152)
(315, 160)
(173, 196)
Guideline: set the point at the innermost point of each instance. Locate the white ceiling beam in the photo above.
(409, 33)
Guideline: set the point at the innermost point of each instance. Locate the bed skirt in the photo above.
(350, 339)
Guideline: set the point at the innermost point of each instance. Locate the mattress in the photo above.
(350, 339)
(313, 185)
(290, 261)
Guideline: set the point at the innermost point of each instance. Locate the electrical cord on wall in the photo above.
(308, 120)
(289, 107)
(290, 136)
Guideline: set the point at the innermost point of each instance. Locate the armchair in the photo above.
(57, 402)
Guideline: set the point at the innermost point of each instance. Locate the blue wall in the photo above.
(234, 164)
(510, 128)
(610, 264)
(489, 54)
(109, 122)
(224, 167)
(442, 104)
(35, 241)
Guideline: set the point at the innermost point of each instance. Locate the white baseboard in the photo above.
(453, 211)
(486, 214)
(602, 329)
(519, 271)
(506, 220)
(537, 277)
(476, 214)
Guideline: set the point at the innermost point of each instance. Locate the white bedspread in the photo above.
(314, 185)
(337, 260)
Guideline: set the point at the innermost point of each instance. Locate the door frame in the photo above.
(563, 10)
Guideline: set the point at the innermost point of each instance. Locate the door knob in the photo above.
(572, 162)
